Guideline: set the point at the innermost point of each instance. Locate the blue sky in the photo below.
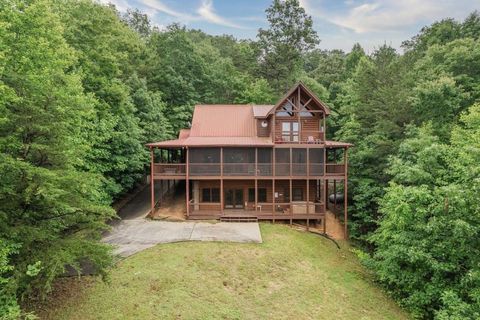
(339, 23)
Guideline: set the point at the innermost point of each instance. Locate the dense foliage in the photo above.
(84, 87)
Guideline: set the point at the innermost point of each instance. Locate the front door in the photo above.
(233, 199)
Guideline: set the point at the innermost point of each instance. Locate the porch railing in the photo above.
(169, 169)
(248, 169)
(306, 136)
(334, 169)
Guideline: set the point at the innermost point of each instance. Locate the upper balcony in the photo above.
(282, 162)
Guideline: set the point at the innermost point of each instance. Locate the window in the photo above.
(297, 194)
(290, 131)
(262, 195)
(211, 195)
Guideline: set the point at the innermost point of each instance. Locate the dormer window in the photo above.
(290, 131)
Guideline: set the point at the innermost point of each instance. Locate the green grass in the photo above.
(292, 275)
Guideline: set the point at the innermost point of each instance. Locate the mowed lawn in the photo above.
(292, 275)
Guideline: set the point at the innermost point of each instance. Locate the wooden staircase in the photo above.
(238, 218)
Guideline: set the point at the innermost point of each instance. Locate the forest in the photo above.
(83, 87)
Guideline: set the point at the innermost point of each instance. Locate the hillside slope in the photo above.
(292, 275)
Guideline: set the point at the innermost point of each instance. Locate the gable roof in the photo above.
(234, 124)
(307, 91)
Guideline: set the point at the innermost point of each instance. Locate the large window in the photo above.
(290, 131)
(262, 195)
(211, 195)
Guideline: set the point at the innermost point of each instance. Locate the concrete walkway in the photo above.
(131, 236)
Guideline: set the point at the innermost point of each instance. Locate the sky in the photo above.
(339, 23)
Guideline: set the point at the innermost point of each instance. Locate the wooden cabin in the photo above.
(256, 161)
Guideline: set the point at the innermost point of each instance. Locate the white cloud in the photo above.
(207, 12)
(160, 7)
(121, 5)
(391, 15)
(375, 22)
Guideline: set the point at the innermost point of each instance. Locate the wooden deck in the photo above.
(260, 215)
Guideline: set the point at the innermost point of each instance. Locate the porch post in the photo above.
(345, 195)
(273, 198)
(222, 200)
(325, 200)
(334, 194)
(290, 198)
(308, 202)
(256, 193)
(187, 183)
(152, 182)
(221, 196)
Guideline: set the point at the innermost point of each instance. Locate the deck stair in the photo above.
(238, 218)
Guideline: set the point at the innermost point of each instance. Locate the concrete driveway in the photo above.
(131, 236)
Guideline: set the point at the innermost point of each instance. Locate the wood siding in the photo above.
(263, 131)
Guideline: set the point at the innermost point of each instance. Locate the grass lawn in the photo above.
(292, 275)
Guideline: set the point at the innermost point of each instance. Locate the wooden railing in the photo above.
(308, 137)
(169, 169)
(248, 169)
(287, 208)
(334, 169)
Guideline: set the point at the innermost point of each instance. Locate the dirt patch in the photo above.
(172, 209)
(335, 227)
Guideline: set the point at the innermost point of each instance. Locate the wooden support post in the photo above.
(308, 203)
(221, 162)
(273, 199)
(256, 193)
(308, 196)
(256, 162)
(335, 194)
(290, 198)
(291, 162)
(222, 200)
(152, 182)
(222, 196)
(187, 183)
(325, 186)
(345, 195)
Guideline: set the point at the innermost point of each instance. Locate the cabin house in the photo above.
(256, 161)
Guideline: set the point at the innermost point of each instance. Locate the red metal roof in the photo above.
(262, 110)
(184, 133)
(223, 120)
(228, 125)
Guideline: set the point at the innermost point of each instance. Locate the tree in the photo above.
(108, 53)
(51, 213)
(427, 244)
(257, 92)
(283, 45)
(138, 21)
